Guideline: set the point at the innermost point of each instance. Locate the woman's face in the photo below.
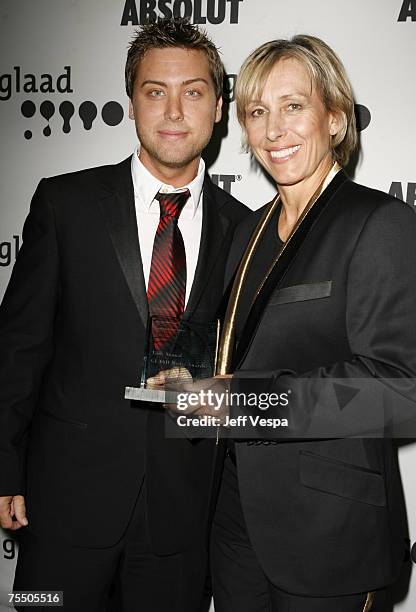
(288, 129)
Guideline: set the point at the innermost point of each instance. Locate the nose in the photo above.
(174, 110)
(275, 128)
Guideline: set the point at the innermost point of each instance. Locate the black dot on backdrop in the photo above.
(66, 110)
(112, 113)
(47, 109)
(413, 553)
(87, 112)
(362, 117)
(28, 109)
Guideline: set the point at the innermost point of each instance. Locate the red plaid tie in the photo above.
(167, 279)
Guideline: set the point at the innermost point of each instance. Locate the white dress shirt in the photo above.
(146, 186)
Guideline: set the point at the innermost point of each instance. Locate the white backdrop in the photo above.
(63, 61)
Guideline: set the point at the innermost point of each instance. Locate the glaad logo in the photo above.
(9, 250)
(112, 114)
(407, 11)
(16, 82)
(226, 180)
(138, 12)
(397, 190)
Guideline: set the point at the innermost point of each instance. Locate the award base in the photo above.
(190, 354)
(145, 394)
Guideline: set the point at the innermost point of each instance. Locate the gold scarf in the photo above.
(226, 343)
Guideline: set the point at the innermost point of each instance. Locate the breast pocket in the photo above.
(301, 293)
(346, 480)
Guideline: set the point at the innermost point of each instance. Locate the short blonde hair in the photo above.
(327, 74)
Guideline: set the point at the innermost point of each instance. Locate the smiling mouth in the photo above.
(284, 153)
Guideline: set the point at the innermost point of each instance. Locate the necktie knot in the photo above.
(171, 204)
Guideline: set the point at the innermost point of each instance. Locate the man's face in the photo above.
(174, 107)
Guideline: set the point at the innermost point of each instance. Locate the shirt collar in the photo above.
(146, 186)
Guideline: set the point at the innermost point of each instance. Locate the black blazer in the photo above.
(326, 517)
(72, 333)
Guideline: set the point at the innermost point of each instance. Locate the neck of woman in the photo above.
(295, 198)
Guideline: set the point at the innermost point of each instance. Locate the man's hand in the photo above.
(13, 506)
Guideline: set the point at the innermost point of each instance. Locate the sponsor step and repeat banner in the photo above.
(63, 107)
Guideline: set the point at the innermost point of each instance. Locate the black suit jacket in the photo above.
(326, 517)
(72, 334)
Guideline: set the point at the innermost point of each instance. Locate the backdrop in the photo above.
(63, 107)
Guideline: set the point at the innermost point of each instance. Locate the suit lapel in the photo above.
(214, 229)
(282, 265)
(120, 216)
(118, 208)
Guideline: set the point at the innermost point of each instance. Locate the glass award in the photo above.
(184, 350)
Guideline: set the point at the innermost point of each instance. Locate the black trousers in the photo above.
(239, 583)
(142, 580)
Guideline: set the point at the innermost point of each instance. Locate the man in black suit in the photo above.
(105, 493)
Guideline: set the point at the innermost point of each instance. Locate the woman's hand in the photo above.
(199, 398)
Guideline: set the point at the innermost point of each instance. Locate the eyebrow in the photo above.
(285, 97)
(162, 84)
(294, 94)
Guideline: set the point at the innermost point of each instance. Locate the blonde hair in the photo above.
(327, 74)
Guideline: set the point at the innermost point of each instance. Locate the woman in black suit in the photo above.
(309, 519)
(320, 329)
